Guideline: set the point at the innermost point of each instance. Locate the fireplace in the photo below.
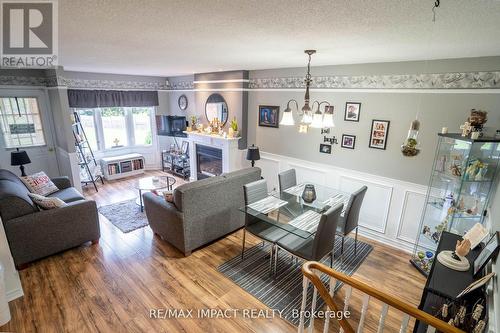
(208, 161)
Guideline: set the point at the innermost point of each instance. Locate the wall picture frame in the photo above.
(325, 149)
(269, 116)
(352, 111)
(379, 134)
(348, 141)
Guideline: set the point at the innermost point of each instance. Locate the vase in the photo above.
(230, 133)
(309, 193)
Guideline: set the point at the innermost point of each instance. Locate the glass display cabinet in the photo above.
(461, 182)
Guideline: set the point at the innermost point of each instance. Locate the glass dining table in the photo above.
(289, 211)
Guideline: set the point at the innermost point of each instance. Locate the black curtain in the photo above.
(109, 98)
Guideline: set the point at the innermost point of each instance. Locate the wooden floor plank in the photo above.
(112, 286)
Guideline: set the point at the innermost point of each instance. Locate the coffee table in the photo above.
(147, 184)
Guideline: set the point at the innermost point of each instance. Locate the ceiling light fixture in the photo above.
(314, 120)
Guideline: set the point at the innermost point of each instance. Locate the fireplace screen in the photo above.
(208, 161)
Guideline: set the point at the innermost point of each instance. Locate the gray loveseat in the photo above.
(202, 211)
(33, 233)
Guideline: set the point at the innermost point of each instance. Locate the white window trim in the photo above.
(129, 129)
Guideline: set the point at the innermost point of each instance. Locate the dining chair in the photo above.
(315, 247)
(267, 232)
(349, 221)
(287, 179)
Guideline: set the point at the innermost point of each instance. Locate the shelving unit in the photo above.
(122, 166)
(90, 171)
(461, 183)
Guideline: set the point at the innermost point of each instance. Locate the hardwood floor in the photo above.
(113, 285)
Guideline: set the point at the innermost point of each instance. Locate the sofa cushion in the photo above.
(14, 199)
(68, 195)
(193, 186)
(46, 202)
(39, 183)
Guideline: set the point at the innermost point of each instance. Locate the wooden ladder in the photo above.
(311, 269)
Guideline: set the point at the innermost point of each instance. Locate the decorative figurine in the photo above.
(194, 120)
(477, 119)
(456, 260)
(466, 129)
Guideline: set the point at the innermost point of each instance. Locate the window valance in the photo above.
(109, 98)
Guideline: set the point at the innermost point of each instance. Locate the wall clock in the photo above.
(183, 102)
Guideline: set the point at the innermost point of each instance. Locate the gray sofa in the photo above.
(33, 233)
(202, 211)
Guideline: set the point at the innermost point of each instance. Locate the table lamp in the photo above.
(19, 157)
(253, 154)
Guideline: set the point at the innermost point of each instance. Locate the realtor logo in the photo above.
(29, 34)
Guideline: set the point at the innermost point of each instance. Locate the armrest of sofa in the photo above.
(166, 220)
(157, 206)
(43, 233)
(61, 182)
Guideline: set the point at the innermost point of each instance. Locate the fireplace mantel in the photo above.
(231, 155)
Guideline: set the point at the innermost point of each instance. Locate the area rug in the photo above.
(284, 293)
(126, 215)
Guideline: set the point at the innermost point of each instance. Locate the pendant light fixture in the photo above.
(317, 119)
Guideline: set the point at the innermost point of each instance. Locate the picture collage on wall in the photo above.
(379, 132)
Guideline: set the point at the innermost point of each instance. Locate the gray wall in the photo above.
(234, 93)
(436, 109)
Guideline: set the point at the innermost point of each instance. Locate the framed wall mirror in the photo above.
(216, 107)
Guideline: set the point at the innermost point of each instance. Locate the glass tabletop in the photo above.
(290, 212)
(154, 183)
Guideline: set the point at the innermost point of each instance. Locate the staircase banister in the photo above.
(309, 266)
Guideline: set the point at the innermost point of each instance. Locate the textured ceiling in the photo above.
(165, 37)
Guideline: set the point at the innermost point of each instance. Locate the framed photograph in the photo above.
(379, 134)
(490, 251)
(269, 116)
(352, 111)
(325, 149)
(348, 141)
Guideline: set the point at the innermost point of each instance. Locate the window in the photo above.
(20, 122)
(141, 118)
(115, 127)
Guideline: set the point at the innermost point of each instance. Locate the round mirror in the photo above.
(216, 107)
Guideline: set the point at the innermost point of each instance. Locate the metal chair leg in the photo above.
(331, 259)
(271, 259)
(276, 254)
(342, 247)
(243, 245)
(356, 242)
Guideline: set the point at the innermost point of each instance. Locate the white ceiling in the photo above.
(166, 37)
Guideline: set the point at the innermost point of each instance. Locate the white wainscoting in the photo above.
(391, 210)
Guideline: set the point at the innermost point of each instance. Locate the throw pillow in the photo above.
(46, 202)
(39, 183)
(169, 196)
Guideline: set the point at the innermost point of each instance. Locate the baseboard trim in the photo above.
(14, 294)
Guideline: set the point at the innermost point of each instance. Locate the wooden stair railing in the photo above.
(310, 270)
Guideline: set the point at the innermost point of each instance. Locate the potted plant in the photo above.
(233, 128)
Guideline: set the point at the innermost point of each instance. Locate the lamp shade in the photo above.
(253, 153)
(328, 120)
(317, 121)
(287, 119)
(307, 118)
(19, 157)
